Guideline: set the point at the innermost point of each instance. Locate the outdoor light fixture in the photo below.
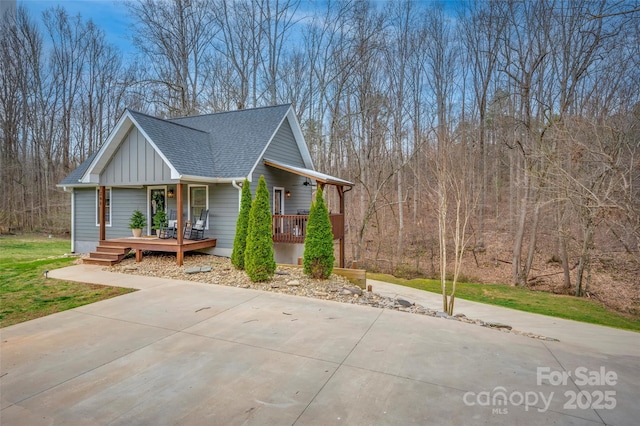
(170, 193)
(287, 194)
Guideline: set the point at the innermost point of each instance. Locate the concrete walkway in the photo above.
(178, 352)
(589, 337)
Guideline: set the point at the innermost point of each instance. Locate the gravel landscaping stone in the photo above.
(216, 270)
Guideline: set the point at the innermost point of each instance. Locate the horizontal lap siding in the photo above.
(123, 202)
(85, 215)
(223, 211)
(223, 214)
(136, 162)
(283, 148)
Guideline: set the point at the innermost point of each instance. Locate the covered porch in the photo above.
(114, 249)
(291, 229)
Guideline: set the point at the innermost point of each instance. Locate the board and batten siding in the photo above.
(283, 148)
(123, 202)
(135, 162)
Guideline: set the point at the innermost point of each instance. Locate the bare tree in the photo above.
(69, 37)
(483, 29)
(277, 18)
(398, 52)
(21, 50)
(441, 63)
(240, 43)
(174, 36)
(524, 60)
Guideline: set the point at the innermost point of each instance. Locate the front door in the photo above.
(157, 202)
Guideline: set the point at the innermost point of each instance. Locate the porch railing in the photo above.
(292, 228)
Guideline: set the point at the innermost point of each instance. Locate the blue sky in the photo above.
(110, 15)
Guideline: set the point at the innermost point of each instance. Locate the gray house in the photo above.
(192, 165)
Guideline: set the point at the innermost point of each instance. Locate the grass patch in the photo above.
(26, 294)
(567, 307)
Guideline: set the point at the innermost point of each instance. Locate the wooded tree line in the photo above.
(460, 125)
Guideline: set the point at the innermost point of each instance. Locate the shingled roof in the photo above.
(238, 137)
(226, 145)
(186, 148)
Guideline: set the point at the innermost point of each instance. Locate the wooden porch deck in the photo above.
(110, 252)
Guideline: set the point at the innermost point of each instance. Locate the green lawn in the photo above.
(567, 307)
(26, 294)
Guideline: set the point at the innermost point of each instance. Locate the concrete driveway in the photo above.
(178, 352)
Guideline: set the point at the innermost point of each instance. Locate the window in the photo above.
(107, 206)
(198, 201)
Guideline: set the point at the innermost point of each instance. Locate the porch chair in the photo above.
(195, 231)
(169, 231)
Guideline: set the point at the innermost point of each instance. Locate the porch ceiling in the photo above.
(308, 173)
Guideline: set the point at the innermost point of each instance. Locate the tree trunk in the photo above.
(532, 243)
(400, 235)
(517, 277)
(564, 257)
(585, 257)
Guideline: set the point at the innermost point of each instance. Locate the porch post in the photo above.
(102, 212)
(179, 225)
(341, 194)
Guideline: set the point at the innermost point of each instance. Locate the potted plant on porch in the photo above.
(137, 222)
(159, 221)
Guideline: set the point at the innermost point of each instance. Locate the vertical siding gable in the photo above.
(284, 148)
(135, 162)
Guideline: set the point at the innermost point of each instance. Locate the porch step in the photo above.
(107, 255)
(100, 262)
(110, 249)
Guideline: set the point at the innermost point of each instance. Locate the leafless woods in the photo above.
(511, 121)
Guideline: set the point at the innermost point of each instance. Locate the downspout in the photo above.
(73, 220)
(239, 188)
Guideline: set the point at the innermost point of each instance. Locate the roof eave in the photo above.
(204, 179)
(308, 173)
(66, 186)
